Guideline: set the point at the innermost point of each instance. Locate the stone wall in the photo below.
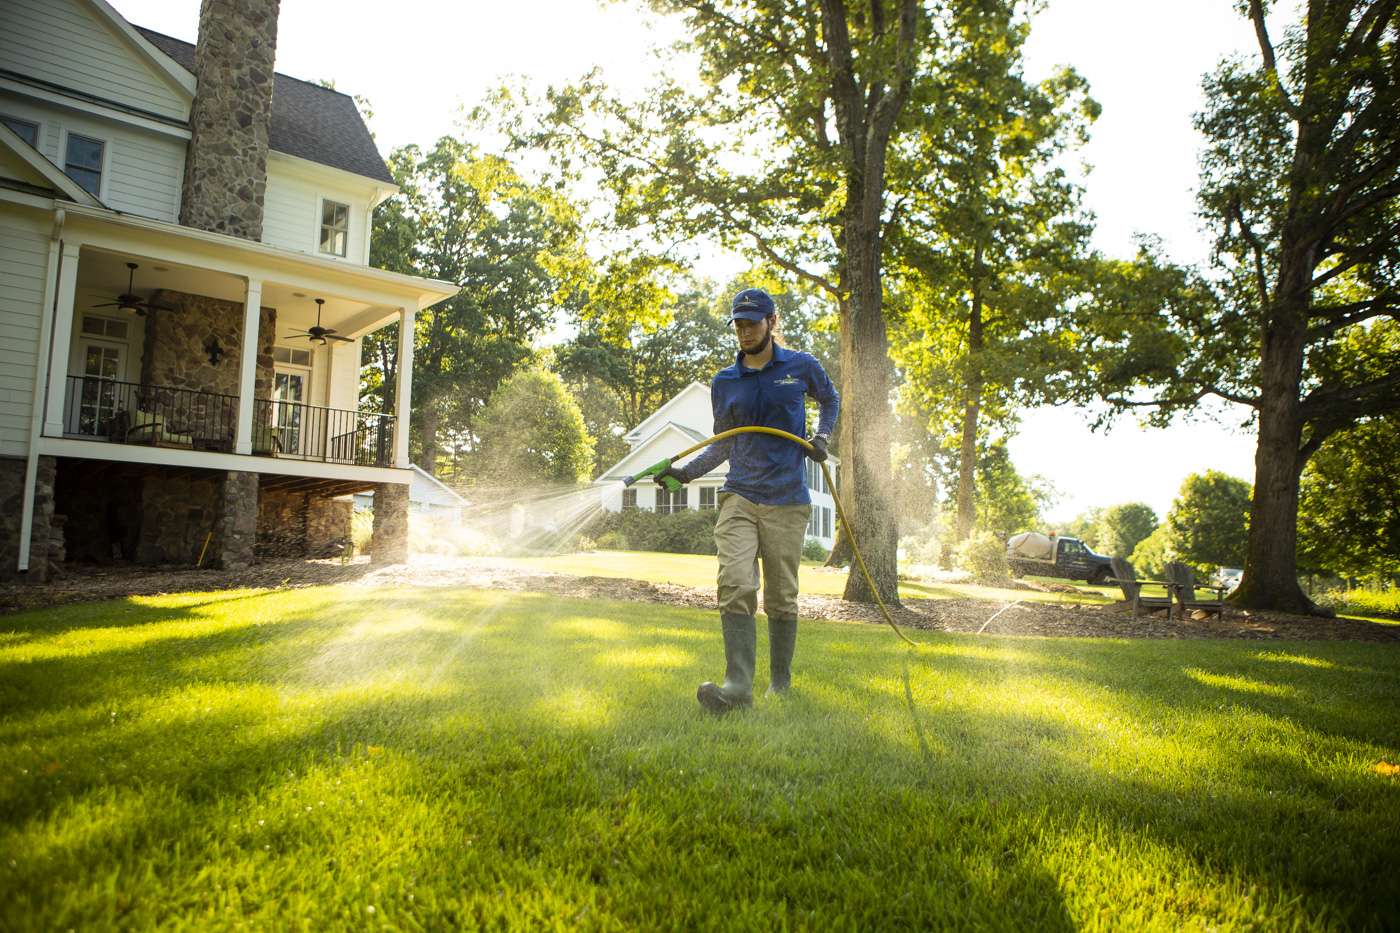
(12, 470)
(104, 513)
(175, 353)
(389, 544)
(177, 513)
(236, 521)
(298, 524)
(226, 164)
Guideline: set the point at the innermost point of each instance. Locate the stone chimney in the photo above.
(226, 166)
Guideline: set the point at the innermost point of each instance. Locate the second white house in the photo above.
(683, 421)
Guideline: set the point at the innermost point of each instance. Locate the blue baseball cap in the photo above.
(751, 304)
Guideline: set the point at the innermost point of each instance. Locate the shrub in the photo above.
(361, 530)
(686, 532)
(1383, 604)
(812, 549)
(983, 555)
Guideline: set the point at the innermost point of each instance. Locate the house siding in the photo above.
(24, 256)
(64, 42)
(292, 216)
(141, 170)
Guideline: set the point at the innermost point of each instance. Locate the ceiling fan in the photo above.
(318, 333)
(130, 301)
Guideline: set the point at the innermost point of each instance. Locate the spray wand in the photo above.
(674, 485)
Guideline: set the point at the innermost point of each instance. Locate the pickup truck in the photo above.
(1055, 556)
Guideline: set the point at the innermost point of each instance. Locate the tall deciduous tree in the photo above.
(516, 250)
(993, 247)
(1300, 178)
(1118, 529)
(1209, 520)
(784, 154)
(532, 431)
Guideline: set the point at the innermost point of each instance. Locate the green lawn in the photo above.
(428, 759)
(697, 570)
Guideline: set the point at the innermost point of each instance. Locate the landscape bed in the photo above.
(423, 757)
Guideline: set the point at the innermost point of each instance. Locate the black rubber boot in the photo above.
(739, 643)
(782, 638)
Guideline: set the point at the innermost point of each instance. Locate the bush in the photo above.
(983, 555)
(686, 532)
(361, 530)
(1383, 604)
(812, 549)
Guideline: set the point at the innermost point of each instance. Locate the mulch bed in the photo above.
(949, 615)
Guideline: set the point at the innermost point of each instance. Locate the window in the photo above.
(335, 227)
(94, 326)
(83, 162)
(629, 499)
(826, 522)
(668, 502)
(291, 355)
(25, 129)
(707, 497)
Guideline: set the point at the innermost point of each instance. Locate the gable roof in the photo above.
(308, 121)
(634, 460)
(651, 422)
(437, 483)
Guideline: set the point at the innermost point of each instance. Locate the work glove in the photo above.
(675, 472)
(818, 451)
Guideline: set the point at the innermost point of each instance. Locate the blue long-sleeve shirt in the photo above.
(764, 469)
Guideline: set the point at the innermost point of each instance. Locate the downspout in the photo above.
(42, 366)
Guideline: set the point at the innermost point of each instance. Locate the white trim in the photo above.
(403, 392)
(439, 484)
(170, 68)
(46, 169)
(320, 172)
(248, 365)
(94, 109)
(209, 460)
(39, 406)
(619, 469)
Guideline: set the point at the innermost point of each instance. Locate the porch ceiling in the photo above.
(105, 273)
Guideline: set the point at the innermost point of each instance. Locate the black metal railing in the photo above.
(165, 416)
(132, 413)
(311, 432)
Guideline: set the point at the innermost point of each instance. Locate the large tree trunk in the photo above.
(1271, 559)
(972, 407)
(869, 507)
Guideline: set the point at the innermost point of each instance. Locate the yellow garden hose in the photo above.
(840, 512)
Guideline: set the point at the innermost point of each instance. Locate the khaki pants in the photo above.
(746, 533)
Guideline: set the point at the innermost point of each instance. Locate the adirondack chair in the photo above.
(1131, 586)
(1182, 583)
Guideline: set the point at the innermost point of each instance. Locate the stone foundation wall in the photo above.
(389, 544)
(297, 524)
(236, 522)
(177, 513)
(103, 517)
(12, 471)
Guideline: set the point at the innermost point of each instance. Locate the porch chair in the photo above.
(1131, 586)
(1181, 581)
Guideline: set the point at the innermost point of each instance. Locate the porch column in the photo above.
(402, 400)
(62, 338)
(248, 366)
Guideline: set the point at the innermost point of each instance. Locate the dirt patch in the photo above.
(949, 615)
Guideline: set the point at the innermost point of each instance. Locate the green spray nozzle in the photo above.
(670, 482)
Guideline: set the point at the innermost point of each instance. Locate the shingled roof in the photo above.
(308, 121)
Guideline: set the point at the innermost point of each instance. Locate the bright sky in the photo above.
(1144, 62)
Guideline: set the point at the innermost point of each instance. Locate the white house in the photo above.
(184, 285)
(427, 495)
(683, 421)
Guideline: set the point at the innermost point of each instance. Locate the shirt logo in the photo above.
(786, 381)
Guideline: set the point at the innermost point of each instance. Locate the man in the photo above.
(763, 506)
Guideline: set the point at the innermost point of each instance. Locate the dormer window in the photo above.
(82, 162)
(24, 129)
(335, 227)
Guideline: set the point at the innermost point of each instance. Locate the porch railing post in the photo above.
(248, 366)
